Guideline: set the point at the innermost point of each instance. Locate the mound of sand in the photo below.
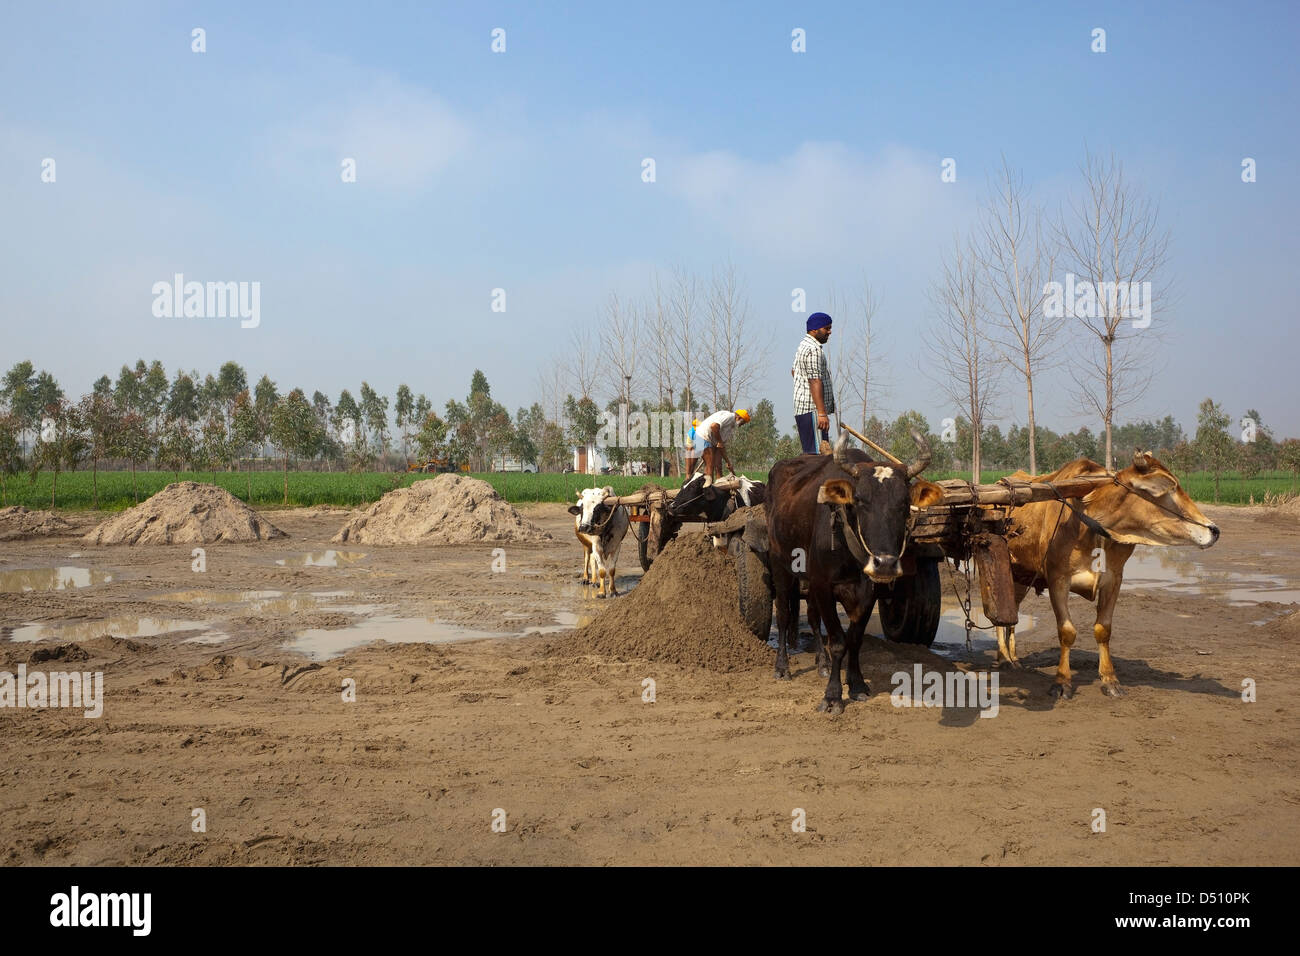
(684, 611)
(448, 509)
(18, 524)
(1286, 626)
(1290, 507)
(186, 512)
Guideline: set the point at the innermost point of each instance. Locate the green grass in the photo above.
(351, 490)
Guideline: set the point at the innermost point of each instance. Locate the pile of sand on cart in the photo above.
(19, 524)
(448, 509)
(186, 512)
(684, 611)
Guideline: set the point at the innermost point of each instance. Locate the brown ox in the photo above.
(1052, 547)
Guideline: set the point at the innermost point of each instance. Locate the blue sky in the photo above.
(521, 171)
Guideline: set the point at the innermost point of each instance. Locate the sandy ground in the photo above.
(443, 735)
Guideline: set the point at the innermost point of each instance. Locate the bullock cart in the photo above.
(647, 511)
(970, 525)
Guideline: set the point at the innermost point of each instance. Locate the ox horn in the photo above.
(922, 459)
(838, 453)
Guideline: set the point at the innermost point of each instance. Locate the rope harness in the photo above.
(968, 573)
(1096, 527)
(853, 537)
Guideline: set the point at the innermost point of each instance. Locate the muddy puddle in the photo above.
(51, 579)
(324, 643)
(1179, 572)
(258, 602)
(321, 559)
(122, 626)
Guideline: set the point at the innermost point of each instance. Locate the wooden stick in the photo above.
(867, 441)
(667, 494)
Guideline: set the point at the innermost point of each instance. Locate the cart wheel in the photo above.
(642, 548)
(911, 614)
(755, 585)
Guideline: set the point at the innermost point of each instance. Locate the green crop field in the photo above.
(350, 490)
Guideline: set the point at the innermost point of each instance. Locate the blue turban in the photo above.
(818, 320)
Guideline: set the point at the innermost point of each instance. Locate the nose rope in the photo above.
(1177, 514)
(857, 537)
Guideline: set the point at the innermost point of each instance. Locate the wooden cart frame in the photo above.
(970, 524)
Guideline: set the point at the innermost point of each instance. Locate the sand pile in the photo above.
(1290, 507)
(684, 611)
(448, 509)
(186, 512)
(18, 524)
(1286, 626)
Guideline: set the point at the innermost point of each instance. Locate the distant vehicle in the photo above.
(434, 466)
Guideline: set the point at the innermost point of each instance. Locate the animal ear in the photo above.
(575, 509)
(1155, 483)
(837, 491)
(926, 493)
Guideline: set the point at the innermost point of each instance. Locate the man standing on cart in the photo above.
(711, 439)
(814, 394)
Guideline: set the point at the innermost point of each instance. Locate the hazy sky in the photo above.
(522, 170)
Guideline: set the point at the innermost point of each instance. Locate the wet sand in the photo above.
(229, 698)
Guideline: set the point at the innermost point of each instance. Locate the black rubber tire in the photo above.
(910, 615)
(755, 585)
(642, 536)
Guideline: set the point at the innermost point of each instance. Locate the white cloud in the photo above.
(401, 138)
(823, 199)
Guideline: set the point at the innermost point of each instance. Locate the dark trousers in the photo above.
(807, 425)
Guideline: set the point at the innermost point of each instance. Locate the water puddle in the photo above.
(322, 559)
(209, 637)
(114, 626)
(950, 641)
(324, 643)
(257, 602)
(1169, 570)
(219, 597)
(51, 579)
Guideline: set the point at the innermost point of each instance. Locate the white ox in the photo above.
(600, 530)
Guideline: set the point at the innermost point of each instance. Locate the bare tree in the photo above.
(684, 343)
(733, 353)
(659, 333)
(1018, 263)
(1110, 239)
(552, 383)
(962, 365)
(856, 366)
(620, 345)
(581, 362)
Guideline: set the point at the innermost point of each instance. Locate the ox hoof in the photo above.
(830, 706)
(1014, 665)
(862, 693)
(1112, 688)
(781, 675)
(1063, 691)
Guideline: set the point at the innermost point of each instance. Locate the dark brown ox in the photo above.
(1053, 547)
(840, 522)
